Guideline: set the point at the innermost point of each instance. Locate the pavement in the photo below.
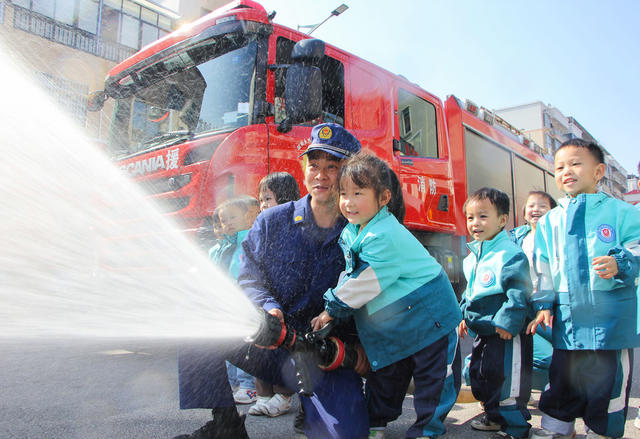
(128, 389)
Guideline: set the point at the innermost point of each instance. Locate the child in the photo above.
(276, 188)
(235, 218)
(587, 258)
(537, 204)
(494, 307)
(403, 304)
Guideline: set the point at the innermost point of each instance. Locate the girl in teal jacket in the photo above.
(401, 299)
(538, 203)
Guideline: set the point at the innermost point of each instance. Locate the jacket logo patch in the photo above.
(298, 218)
(606, 233)
(487, 278)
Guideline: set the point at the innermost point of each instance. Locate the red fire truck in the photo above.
(207, 111)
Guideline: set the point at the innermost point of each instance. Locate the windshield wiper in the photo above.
(171, 135)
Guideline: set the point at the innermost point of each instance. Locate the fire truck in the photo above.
(206, 112)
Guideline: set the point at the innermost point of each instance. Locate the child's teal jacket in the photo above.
(228, 254)
(498, 285)
(518, 234)
(589, 312)
(400, 297)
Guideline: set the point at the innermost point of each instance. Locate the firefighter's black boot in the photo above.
(226, 424)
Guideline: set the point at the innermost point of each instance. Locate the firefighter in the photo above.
(292, 257)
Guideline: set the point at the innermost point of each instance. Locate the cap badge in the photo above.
(325, 133)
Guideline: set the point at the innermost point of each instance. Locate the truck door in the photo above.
(285, 147)
(423, 163)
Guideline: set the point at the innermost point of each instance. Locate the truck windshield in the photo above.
(206, 87)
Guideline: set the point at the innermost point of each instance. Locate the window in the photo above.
(164, 22)
(122, 21)
(130, 32)
(332, 84)
(131, 8)
(417, 125)
(149, 16)
(110, 22)
(44, 7)
(88, 15)
(149, 34)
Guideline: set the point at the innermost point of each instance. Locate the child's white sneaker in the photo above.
(260, 407)
(484, 424)
(245, 396)
(279, 404)
(376, 434)
(543, 433)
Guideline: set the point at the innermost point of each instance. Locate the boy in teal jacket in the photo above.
(235, 217)
(495, 308)
(587, 252)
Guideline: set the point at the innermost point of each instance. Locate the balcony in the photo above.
(70, 36)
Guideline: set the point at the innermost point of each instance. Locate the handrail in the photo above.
(45, 27)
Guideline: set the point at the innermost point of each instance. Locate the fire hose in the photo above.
(331, 351)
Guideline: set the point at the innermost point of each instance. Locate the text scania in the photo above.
(152, 164)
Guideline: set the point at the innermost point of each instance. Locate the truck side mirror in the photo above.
(96, 100)
(303, 84)
(303, 93)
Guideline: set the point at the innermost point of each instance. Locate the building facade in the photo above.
(70, 45)
(547, 126)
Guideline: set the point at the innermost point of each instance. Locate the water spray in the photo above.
(84, 252)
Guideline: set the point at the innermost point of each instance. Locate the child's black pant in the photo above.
(436, 372)
(500, 374)
(592, 385)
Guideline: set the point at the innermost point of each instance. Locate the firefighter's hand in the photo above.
(505, 335)
(276, 312)
(462, 329)
(320, 320)
(362, 366)
(605, 266)
(543, 317)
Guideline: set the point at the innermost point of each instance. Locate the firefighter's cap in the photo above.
(334, 139)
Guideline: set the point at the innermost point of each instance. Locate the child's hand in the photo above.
(320, 320)
(505, 335)
(362, 366)
(605, 266)
(543, 317)
(462, 329)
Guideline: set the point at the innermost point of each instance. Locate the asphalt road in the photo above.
(129, 390)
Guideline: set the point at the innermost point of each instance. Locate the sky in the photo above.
(583, 57)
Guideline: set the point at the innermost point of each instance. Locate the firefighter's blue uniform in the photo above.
(498, 285)
(289, 262)
(406, 314)
(594, 326)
